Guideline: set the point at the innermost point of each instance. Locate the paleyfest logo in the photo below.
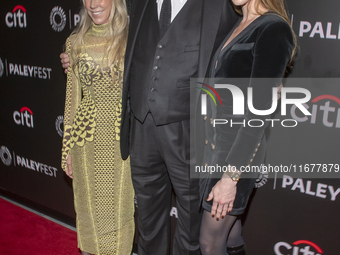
(238, 104)
(58, 19)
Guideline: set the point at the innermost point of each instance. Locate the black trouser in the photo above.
(160, 160)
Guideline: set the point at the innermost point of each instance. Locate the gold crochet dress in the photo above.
(102, 186)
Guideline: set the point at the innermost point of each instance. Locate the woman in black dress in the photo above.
(260, 46)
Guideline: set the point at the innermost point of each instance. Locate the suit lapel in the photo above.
(137, 13)
(211, 15)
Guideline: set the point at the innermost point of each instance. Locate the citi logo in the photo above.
(330, 115)
(309, 248)
(24, 117)
(17, 18)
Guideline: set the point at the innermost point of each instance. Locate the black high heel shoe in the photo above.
(238, 250)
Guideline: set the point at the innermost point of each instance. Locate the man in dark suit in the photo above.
(170, 41)
(156, 110)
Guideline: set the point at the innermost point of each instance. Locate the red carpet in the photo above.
(25, 233)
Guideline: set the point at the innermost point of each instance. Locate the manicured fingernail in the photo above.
(217, 219)
(229, 211)
(212, 215)
(222, 217)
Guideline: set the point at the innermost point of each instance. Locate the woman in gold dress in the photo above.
(102, 186)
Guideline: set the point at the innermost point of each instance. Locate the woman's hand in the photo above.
(65, 61)
(223, 195)
(69, 167)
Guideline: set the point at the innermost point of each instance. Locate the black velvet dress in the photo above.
(257, 58)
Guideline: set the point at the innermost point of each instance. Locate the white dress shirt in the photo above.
(176, 6)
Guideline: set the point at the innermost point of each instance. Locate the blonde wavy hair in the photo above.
(118, 21)
(279, 8)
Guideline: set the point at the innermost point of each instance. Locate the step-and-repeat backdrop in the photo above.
(288, 214)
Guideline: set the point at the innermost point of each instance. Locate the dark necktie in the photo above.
(165, 17)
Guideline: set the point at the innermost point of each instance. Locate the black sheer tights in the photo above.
(216, 235)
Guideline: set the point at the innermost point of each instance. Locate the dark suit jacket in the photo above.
(218, 17)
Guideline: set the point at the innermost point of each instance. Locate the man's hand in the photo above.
(223, 193)
(65, 61)
(69, 167)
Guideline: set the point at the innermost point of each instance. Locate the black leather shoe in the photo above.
(238, 250)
